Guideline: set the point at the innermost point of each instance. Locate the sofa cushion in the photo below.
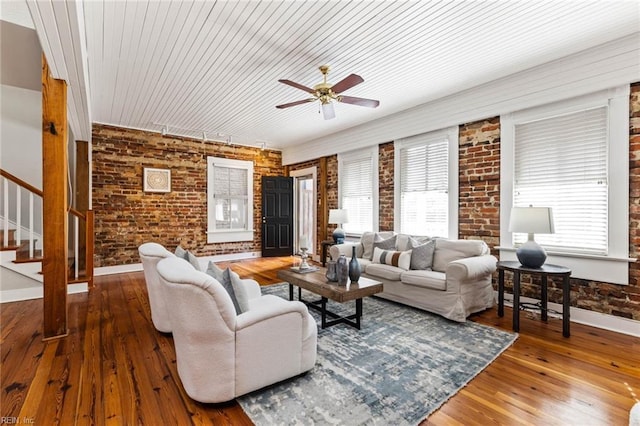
(384, 244)
(449, 250)
(428, 279)
(387, 272)
(367, 240)
(422, 255)
(401, 259)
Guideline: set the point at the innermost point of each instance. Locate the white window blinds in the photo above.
(356, 194)
(424, 197)
(561, 162)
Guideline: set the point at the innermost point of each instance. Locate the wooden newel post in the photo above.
(54, 203)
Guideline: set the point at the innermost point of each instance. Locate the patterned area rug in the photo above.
(400, 367)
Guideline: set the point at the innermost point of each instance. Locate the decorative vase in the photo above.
(331, 274)
(354, 267)
(342, 270)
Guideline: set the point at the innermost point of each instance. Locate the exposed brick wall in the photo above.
(126, 217)
(479, 182)
(386, 169)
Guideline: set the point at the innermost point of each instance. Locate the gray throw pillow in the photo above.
(181, 253)
(422, 256)
(241, 293)
(388, 244)
(189, 257)
(215, 271)
(193, 260)
(229, 281)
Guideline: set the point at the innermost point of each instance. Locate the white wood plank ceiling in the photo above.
(213, 66)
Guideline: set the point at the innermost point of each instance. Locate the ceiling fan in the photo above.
(327, 92)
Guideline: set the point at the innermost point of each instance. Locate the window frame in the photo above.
(370, 154)
(451, 134)
(229, 235)
(612, 267)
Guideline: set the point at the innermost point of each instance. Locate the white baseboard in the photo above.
(586, 317)
(204, 261)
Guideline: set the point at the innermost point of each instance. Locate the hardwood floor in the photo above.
(115, 368)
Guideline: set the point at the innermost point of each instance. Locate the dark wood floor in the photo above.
(115, 368)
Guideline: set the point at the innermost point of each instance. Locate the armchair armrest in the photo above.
(346, 249)
(268, 311)
(252, 288)
(471, 268)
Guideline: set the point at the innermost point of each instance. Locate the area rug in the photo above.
(400, 367)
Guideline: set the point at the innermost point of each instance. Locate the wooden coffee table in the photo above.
(317, 283)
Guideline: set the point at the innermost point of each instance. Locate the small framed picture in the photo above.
(157, 180)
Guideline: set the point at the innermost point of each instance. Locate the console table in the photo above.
(544, 271)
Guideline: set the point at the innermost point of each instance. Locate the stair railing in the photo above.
(80, 224)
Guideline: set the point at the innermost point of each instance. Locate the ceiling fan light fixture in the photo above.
(327, 92)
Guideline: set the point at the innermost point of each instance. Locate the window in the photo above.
(229, 200)
(561, 162)
(426, 193)
(572, 156)
(358, 193)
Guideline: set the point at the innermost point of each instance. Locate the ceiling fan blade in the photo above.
(371, 103)
(347, 83)
(327, 111)
(298, 86)
(290, 104)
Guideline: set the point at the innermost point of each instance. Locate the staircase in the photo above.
(21, 252)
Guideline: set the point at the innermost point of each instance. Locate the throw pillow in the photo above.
(241, 293)
(422, 256)
(181, 253)
(189, 257)
(193, 260)
(388, 244)
(399, 259)
(225, 278)
(367, 244)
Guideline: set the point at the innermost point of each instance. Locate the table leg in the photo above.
(516, 301)
(290, 291)
(299, 293)
(543, 298)
(566, 298)
(358, 312)
(500, 292)
(324, 254)
(323, 311)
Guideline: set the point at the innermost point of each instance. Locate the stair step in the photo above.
(26, 259)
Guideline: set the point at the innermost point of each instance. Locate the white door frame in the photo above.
(313, 172)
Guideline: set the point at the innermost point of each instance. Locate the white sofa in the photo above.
(220, 354)
(457, 283)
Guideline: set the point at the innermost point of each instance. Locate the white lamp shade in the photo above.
(531, 220)
(338, 216)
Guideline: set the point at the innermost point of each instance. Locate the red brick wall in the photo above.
(479, 182)
(386, 169)
(126, 217)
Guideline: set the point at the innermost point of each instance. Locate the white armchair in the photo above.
(150, 255)
(221, 355)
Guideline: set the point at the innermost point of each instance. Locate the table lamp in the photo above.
(531, 220)
(338, 217)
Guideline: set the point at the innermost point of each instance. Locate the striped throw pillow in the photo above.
(399, 259)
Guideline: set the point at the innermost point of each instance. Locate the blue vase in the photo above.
(354, 267)
(342, 270)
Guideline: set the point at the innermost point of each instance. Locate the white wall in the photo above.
(21, 136)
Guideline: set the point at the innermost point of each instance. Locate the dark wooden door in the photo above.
(277, 216)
